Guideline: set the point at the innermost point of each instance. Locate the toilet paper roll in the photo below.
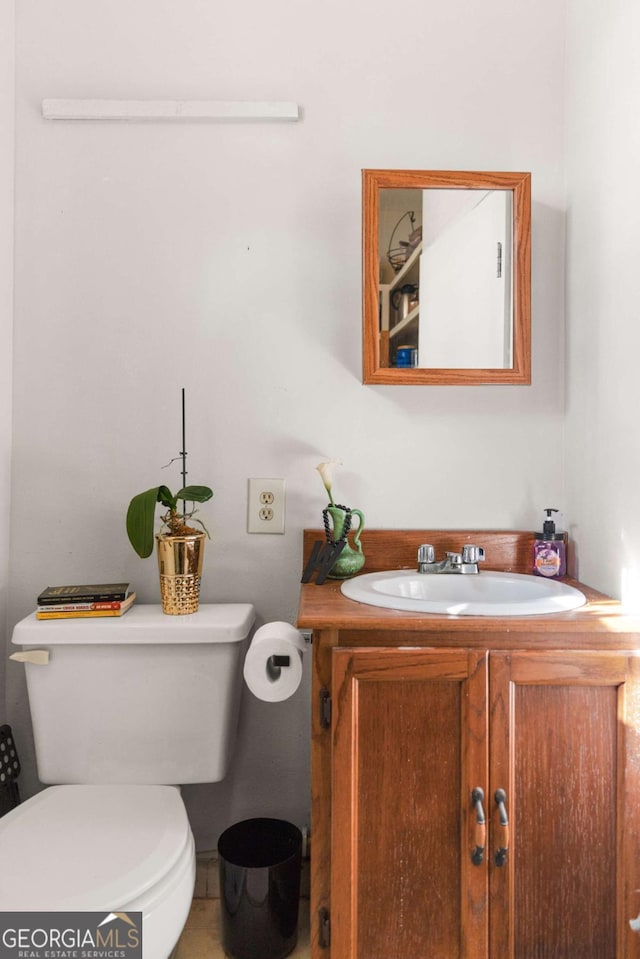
(268, 679)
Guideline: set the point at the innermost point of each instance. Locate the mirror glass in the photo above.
(446, 277)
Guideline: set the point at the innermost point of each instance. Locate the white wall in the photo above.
(6, 310)
(226, 258)
(602, 458)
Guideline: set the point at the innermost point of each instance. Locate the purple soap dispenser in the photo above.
(549, 551)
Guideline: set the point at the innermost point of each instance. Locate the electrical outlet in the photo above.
(265, 512)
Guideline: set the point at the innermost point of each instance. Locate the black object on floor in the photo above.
(9, 771)
(259, 864)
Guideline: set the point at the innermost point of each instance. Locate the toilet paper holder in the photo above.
(279, 661)
(275, 664)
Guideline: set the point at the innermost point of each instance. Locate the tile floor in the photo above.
(201, 936)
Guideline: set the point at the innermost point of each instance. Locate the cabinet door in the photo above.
(409, 746)
(565, 748)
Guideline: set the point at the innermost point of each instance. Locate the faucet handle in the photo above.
(472, 554)
(426, 553)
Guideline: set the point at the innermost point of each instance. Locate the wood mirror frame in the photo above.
(520, 185)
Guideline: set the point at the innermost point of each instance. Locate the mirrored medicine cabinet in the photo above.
(446, 277)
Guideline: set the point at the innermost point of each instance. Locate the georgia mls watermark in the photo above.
(70, 935)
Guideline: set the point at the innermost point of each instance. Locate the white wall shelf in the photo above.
(406, 322)
(78, 109)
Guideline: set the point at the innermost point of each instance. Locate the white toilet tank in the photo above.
(142, 698)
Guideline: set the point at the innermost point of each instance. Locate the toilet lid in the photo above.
(90, 847)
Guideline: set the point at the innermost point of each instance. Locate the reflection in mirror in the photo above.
(431, 317)
(446, 277)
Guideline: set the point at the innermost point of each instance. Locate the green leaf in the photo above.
(166, 497)
(195, 494)
(141, 519)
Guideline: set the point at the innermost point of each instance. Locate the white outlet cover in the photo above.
(256, 506)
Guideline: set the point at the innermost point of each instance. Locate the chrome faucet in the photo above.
(464, 562)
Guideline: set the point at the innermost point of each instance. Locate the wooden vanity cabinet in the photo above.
(413, 714)
(413, 870)
(409, 744)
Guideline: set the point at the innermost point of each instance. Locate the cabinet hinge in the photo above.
(325, 709)
(324, 928)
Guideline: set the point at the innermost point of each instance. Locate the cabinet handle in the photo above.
(500, 855)
(480, 831)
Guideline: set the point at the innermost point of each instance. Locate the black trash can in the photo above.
(259, 862)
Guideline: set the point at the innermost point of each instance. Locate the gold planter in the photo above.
(180, 566)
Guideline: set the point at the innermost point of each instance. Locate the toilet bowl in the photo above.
(102, 849)
(118, 706)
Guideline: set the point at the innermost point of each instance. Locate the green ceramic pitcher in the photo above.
(351, 559)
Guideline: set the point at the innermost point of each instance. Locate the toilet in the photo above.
(124, 711)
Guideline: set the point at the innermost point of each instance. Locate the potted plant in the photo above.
(180, 546)
(337, 525)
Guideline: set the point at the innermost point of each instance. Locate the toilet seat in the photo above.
(94, 848)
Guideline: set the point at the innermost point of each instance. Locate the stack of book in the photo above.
(99, 599)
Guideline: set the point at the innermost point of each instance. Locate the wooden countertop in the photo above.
(325, 608)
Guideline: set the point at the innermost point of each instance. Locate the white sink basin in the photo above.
(484, 594)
